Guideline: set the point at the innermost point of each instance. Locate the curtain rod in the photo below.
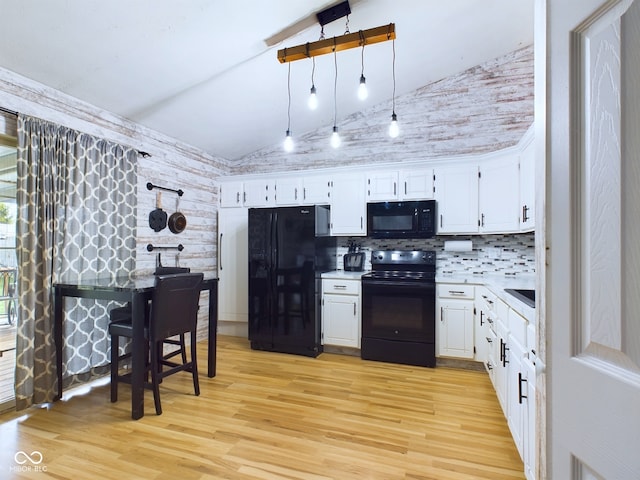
(10, 112)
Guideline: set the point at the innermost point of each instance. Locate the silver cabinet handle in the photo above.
(456, 292)
(295, 193)
(237, 197)
(354, 309)
(394, 189)
(339, 287)
(220, 252)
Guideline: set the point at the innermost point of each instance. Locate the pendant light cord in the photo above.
(393, 73)
(335, 87)
(289, 96)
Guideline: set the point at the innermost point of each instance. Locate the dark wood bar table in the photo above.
(137, 290)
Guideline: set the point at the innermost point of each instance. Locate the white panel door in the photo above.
(592, 227)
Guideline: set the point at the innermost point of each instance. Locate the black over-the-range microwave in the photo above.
(415, 219)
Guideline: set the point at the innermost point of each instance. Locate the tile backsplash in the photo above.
(510, 254)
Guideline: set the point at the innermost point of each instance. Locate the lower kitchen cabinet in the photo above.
(341, 308)
(454, 321)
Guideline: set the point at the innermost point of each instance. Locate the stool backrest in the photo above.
(170, 270)
(174, 305)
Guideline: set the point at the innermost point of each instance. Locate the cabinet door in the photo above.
(529, 433)
(457, 196)
(231, 194)
(502, 362)
(288, 191)
(527, 188)
(348, 206)
(481, 333)
(315, 190)
(232, 265)
(455, 335)
(499, 195)
(258, 193)
(341, 320)
(382, 186)
(416, 184)
(516, 387)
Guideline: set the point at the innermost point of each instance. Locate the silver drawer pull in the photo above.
(456, 292)
(341, 287)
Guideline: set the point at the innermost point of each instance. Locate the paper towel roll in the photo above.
(458, 246)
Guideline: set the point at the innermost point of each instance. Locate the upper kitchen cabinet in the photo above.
(248, 193)
(527, 188)
(456, 191)
(416, 184)
(315, 189)
(391, 185)
(499, 194)
(288, 191)
(231, 194)
(382, 186)
(348, 205)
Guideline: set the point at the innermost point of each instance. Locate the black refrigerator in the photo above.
(289, 248)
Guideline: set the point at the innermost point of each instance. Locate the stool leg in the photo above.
(156, 356)
(114, 368)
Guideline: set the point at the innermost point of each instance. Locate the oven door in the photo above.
(398, 310)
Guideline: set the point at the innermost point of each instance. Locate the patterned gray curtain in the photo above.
(76, 198)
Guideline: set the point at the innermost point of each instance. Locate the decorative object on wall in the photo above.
(158, 217)
(458, 245)
(344, 42)
(158, 220)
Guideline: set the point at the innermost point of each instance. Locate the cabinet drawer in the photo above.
(345, 287)
(518, 327)
(456, 291)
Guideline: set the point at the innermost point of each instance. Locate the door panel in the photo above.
(593, 223)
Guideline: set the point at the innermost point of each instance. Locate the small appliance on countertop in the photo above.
(354, 259)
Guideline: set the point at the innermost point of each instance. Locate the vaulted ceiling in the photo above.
(205, 72)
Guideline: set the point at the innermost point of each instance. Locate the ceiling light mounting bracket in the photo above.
(333, 13)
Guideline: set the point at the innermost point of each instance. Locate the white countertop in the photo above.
(342, 275)
(497, 284)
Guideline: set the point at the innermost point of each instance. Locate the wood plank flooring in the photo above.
(275, 416)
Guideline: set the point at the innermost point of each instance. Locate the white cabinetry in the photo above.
(456, 190)
(232, 265)
(498, 194)
(231, 194)
(248, 193)
(382, 186)
(416, 184)
(315, 189)
(258, 193)
(454, 321)
(348, 205)
(484, 337)
(392, 185)
(341, 312)
(527, 188)
(502, 352)
(288, 191)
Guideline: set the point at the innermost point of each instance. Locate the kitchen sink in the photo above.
(526, 296)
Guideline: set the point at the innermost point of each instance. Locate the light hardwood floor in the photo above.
(275, 416)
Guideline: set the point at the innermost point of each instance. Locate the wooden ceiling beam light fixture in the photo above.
(343, 42)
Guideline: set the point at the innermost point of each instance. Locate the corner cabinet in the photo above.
(454, 321)
(341, 308)
(348, 205)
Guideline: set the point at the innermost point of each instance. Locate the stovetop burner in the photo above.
(406, 265)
